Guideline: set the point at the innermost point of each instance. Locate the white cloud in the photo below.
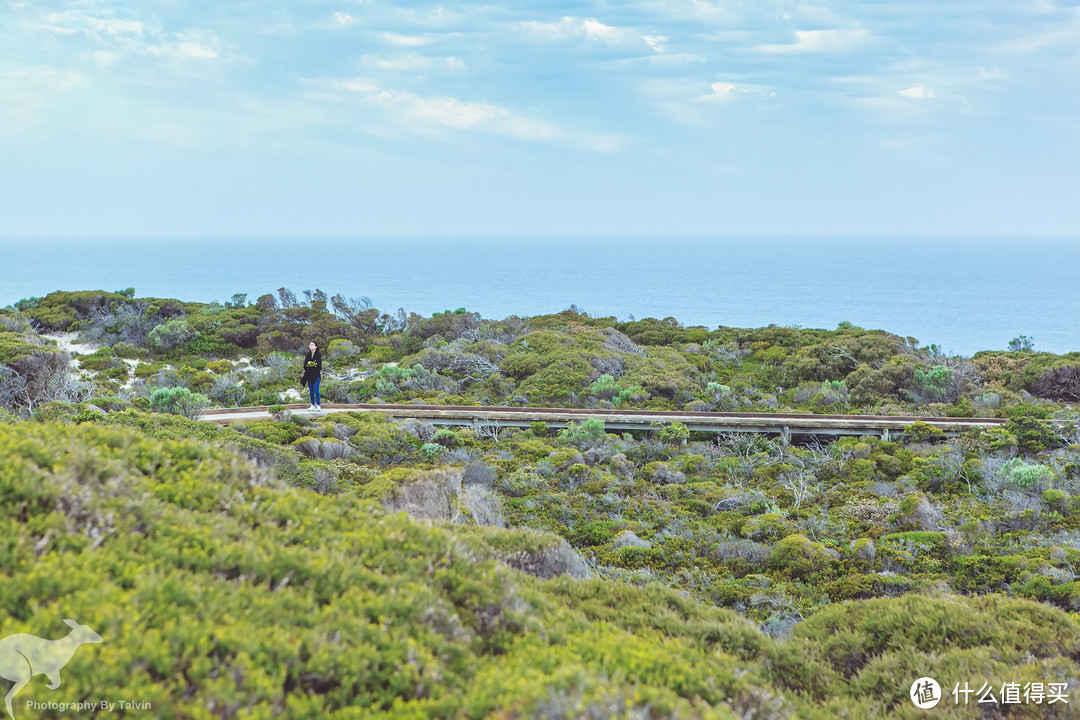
(689, 101)
(391, 38)
(411, 62)
(591, 30)
(26, 94)
(115, 26)
(670, 87)
(669, 59)
(71, 22)
(41, 77)
(428, 114)
(600, 143)
(1066, 36)
(711, 11)
(464, 115)
(278, 29)
(352, 85)
(104, 58)
(720, 91)
(202, 45)
(596, 30)
(118, 38)
(821, 41)
(436, 17)
(656, 42)
(344, 20)
(918, 92)
(993, 73)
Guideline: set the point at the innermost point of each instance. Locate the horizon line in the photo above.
(549, 236)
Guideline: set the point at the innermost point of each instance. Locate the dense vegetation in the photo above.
(244, 353)
(354, 566)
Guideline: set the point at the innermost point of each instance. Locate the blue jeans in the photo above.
(313, 391)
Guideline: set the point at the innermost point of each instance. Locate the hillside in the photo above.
(222, 593)
(352, 566)
(243, 353)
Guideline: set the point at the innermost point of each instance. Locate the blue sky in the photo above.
(192, 117)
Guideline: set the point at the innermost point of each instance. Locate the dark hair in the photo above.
(318, 349)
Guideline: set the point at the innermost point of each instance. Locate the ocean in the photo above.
(964, 294)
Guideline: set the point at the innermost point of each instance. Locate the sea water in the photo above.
(963, 294)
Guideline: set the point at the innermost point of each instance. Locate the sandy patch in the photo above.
(132, 364)
(66, 341)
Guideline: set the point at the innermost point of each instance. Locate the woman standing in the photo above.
(313, 375)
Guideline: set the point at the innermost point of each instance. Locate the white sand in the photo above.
(66, 341)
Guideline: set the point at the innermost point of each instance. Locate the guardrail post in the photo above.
(885, 434)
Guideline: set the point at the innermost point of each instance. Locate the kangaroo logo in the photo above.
(23, 656)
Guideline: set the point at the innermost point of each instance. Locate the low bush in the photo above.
(179, 401)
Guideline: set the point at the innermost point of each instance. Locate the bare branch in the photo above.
(841, 352)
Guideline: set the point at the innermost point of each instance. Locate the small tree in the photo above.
(228, 389)
(168, 335)
(590, 432)
(1022, 343)
(432, 450)
(604, 387)
(919, 431)
(1024, 474)
(239, 300)
(931, 384)
(674, 433)
(281, 364)
(179, 401)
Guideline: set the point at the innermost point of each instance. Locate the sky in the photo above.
(687, 117)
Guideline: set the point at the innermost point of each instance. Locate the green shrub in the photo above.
(864, 552)
(799, 557)
(821, 394)
(588, 432)
(170, 335)
(1024, 474)
(874, 642)
(446, 438)
(961, 408)
(101, 360)
(932, 384)
(14, 347)
(179, 401)
(922, 432)
(219, 367)
(1033, 434)
(432, 450)
(338, 349)
(768, 526)
(604, 387)
(934, 545)
(664, 373)
(1057, 500)
(675, 433)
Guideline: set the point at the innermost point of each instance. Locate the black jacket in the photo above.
(312, 367)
